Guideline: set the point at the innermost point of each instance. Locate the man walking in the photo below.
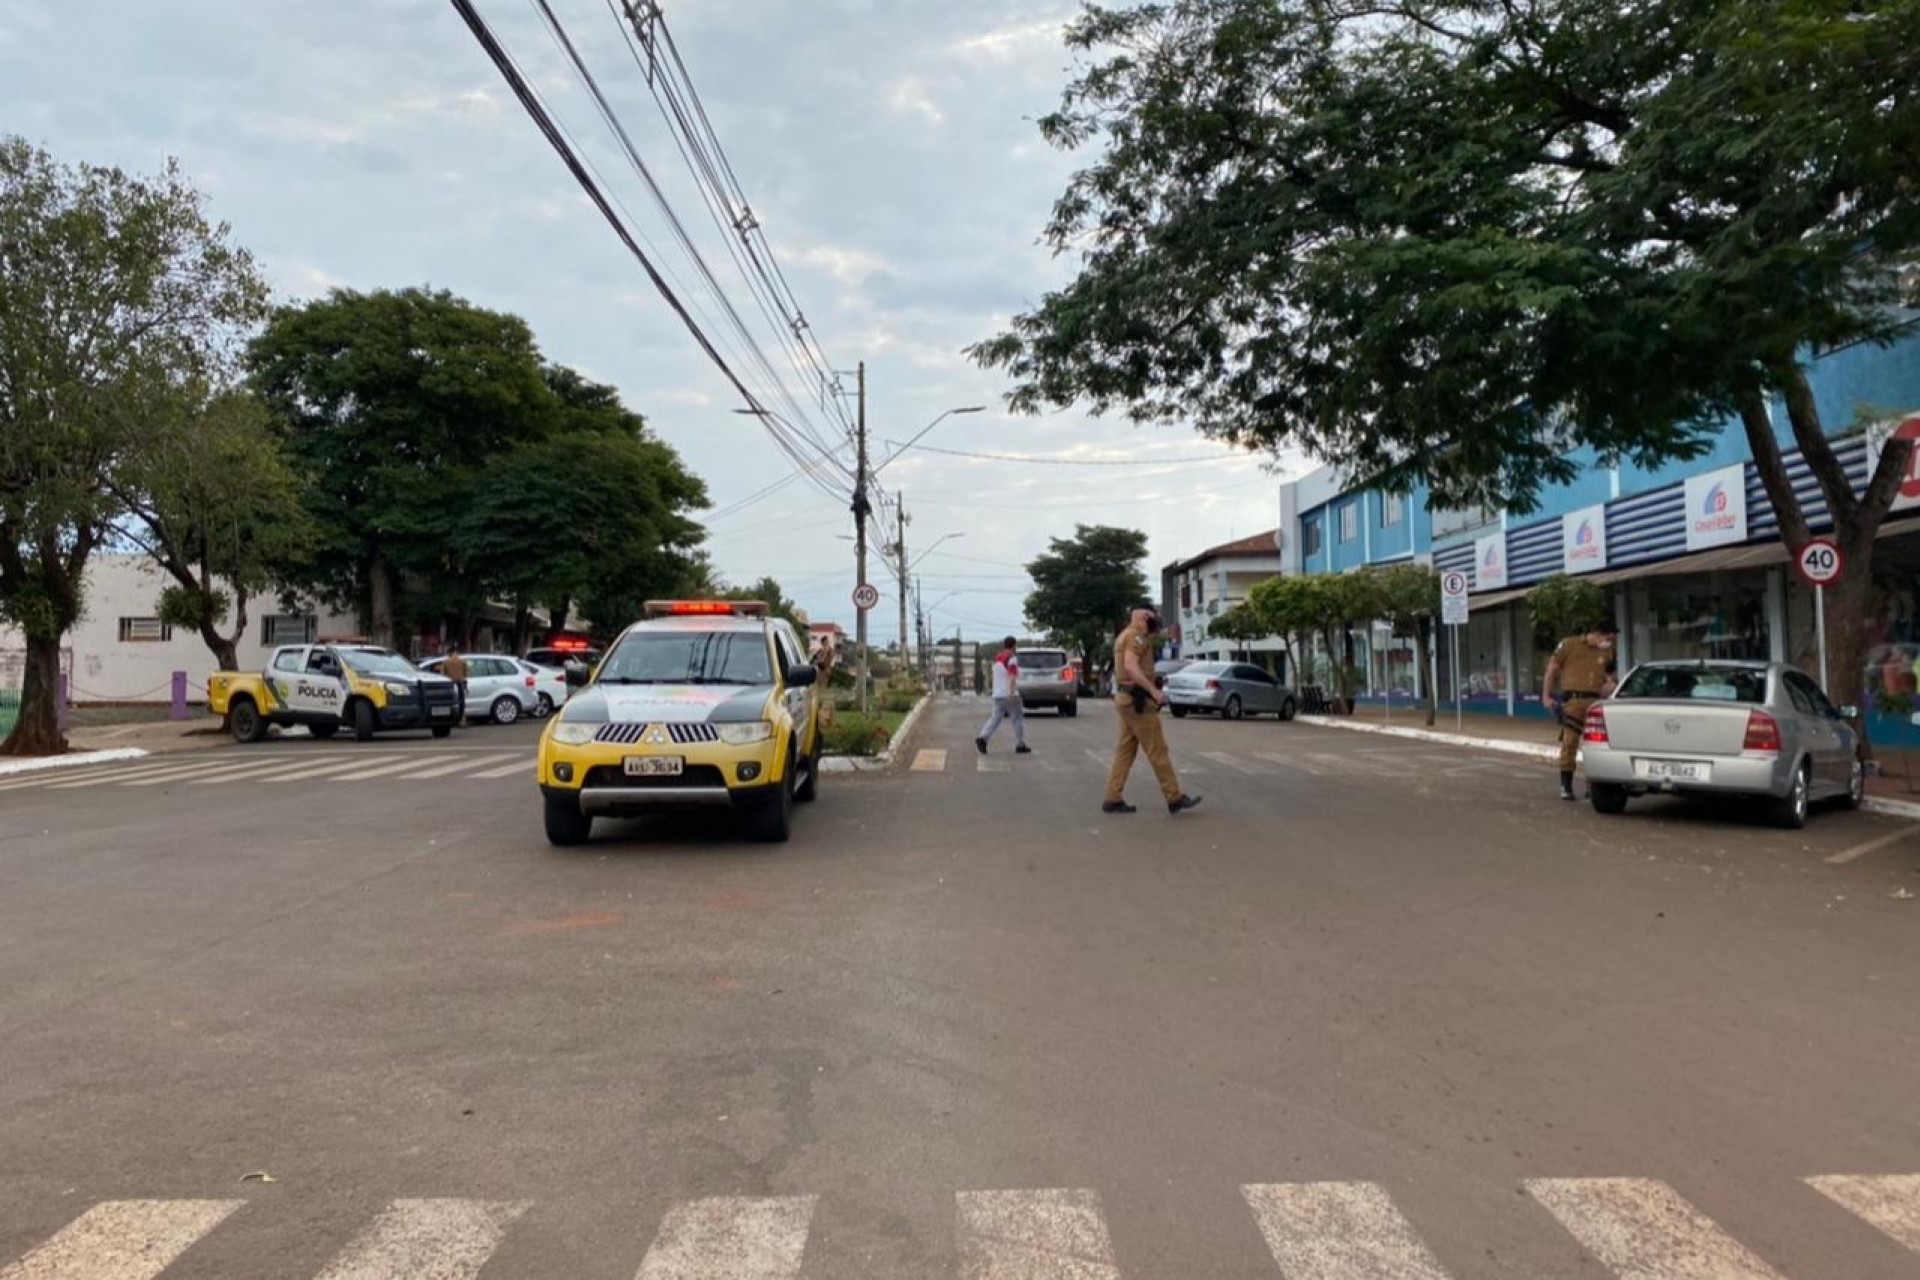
(1580, 673)
(1006, 701)
(455, 669)
(1138, 702)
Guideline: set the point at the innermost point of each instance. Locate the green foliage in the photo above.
(1085, 585)
(899, 694)
(769, 593)
(852, 734)
(1453, 241)
(1406, 596)
(1239, 622)
(1564, 605)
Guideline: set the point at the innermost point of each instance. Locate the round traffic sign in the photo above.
(1453, 583)
(1820, 562)
(865, 596)
(1910, 430)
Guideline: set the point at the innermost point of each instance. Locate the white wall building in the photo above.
(121, 652)
(1215, 580)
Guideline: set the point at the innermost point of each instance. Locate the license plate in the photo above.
(653, 766)
(443, 711)
(1676, 770)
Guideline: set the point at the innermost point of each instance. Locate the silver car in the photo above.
(1049, 678)
(499, 688)
(1723, 728)
(1233, 689)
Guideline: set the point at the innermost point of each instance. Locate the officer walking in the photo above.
(1139, 703)
(1580, 673)
(455, 669)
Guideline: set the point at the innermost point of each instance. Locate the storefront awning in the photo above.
(1493, 599)
(1761, 556)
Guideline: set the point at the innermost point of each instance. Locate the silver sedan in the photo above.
(1233, 689)
(1722, 728)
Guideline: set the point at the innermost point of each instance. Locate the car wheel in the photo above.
(1607, 797)
(771, 822)
(245, 722)
(1232, 710)
(1856, 787)
(1179, 713)
(544, 707)
(1790, 811)
(442, 730)
(1070, 709)
(505, 709)
(1288, 710)
(566, 825)
(323, 730)
(363, 720)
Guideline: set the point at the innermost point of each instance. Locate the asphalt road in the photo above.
(1378, 1010)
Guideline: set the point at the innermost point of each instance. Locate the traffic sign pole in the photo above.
(1453, 611)
(1820, 564)
(1820, 629)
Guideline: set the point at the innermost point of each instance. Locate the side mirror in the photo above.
(801, 676)
(577, 674)
(1849, 712)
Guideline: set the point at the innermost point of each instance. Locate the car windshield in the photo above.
(371, 662)
(1697, 684)
(1042, 659)
(689, 657)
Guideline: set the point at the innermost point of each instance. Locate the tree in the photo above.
(1483, 245)
(1085, 585)
(391, 404)
(1238, 623)
(1319, 607)
(1407, 597)
(115, 292)
(211, 499)
(1564, 605)
(769, 593)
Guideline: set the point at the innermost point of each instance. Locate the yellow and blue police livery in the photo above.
(702, 702)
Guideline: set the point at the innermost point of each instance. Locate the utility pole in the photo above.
(900, 560)
(861, 508)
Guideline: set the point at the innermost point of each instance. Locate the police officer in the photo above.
(455, 669)
(1138, 701)
(1580, 673)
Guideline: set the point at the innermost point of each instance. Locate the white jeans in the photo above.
(1007, 709)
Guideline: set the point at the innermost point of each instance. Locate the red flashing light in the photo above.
(569, 644)
(1595, 729)
(705, 608)
(1763, 734)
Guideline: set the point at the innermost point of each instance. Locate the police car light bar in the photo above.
(705, 608)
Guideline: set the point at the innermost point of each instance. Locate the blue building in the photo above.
(1691, 551)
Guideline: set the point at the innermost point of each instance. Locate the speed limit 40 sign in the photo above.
(865, 596)
(1820, 562)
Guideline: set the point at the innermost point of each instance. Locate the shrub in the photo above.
(852, 734)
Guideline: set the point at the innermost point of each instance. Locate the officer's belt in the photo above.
(1588, 694)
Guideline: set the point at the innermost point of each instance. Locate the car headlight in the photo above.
(739, 735)
(397, 690)
(574, 735)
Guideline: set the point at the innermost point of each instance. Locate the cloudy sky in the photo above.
(887, 147)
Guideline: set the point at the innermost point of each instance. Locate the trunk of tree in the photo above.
(37, 732)
(522, 630)
(558, 622)
(1422, 642)
(380, 600)
(225, 648)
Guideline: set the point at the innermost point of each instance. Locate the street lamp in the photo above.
(945, 537)
(972, 408)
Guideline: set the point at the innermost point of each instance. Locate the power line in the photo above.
(1056, 461)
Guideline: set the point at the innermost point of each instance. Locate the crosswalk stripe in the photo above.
(987, 764)
(929, 760)
(104, 776)
(443, 769)
(122, 1240)
(1288, 762)
(46, 777)
(416, 1239)
(249, 771)
(1890, 1202)
(507, 771)
(181, 774)
(389, 768)
(1643, 1230)
(1053, 1234)
(1231, 762)
(1102, 758)
(730, 1238)
(1339, 1231)
(301, 772)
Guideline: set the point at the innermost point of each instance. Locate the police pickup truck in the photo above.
(326, 687)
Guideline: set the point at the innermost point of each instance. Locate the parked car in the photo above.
(1166, 668)
(1049, 678)
(1231, 689)
(1722, 728)
(499, 688)
(559, 658)
(549, 686)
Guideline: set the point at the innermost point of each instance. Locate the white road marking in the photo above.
(1102, 758)
(300, 773)
(929, 760)
(122, 1240)
(104, 776)
(247, 772)
(1056, 1234)
(180, 773)
(384, 770)
(426, 1240)
(1879, 842)
(1643, 1230)
(1287, 762)
(987, 764)
(507, 771)
(1333, 763)
(468, 763)
(1231, 762)
(730, 1238)
(1890, 1202)
(1339, 1231)
(46, 777)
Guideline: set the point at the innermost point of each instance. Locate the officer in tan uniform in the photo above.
(1138, 701)
(1580, 673)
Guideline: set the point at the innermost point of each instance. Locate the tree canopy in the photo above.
(1085, 585)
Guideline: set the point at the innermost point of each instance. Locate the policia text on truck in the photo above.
(326, 687)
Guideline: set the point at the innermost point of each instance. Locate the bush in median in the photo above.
(852, 734)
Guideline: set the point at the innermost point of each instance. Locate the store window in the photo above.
(1310, 538)
(1349, 522)
(1708, 615)
(1483, 668)
(1393, 509)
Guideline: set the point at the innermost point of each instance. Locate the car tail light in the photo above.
(1213, 684)
(1595, 730)
(1763, 734)
(1066, 673)
(529, 682)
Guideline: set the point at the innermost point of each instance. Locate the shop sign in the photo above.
(1717, 508)
(1490, 562)
(1877, 437)
(1583, 540)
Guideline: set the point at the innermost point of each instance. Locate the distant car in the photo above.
(1231, 689)
(1166, 668)
(1722, 728)
(1049, 678)
(559, 658)
(499, 688)
(549, 687)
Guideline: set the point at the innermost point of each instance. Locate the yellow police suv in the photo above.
(701, 702)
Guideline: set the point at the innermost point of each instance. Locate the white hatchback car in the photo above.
(502, 688)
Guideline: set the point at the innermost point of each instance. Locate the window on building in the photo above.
(1393, 509)
(144, 631)
(1350, 522)
(1310, 538)
(288, 628)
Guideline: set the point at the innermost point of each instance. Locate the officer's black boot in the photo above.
(1566, 786)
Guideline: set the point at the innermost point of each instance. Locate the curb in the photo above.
(1874, 804)
(72, 760)
(884, 761)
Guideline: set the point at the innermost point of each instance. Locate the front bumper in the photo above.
(1730, 775)
(713, 774)
(414, 715)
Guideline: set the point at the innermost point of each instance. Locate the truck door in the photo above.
(284, 672)
(321, 689)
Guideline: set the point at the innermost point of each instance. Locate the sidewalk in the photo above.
(195, 733)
